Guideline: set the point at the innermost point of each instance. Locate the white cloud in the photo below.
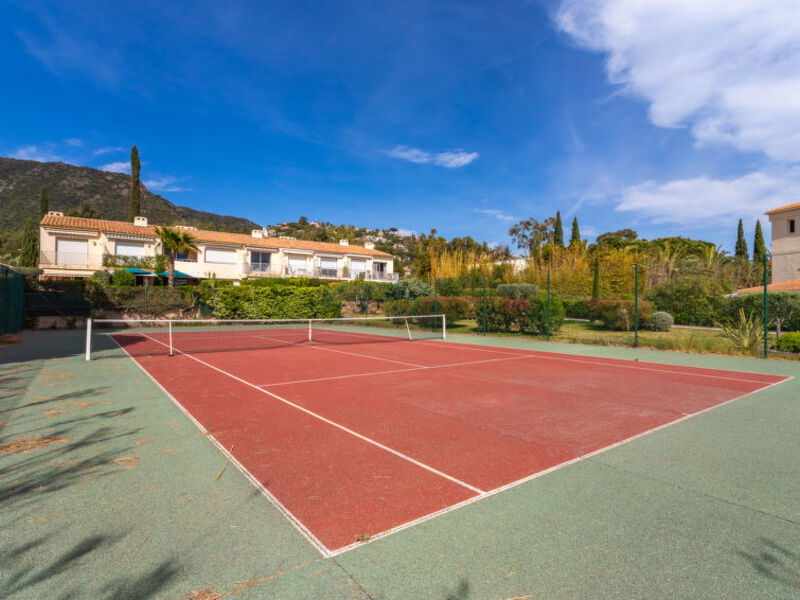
(703, 202)
(728, 69)
(165, 183)
(117, 167)
(108, 150)
(497, 214)
(451, 159)
(74, 142)
(34, 152)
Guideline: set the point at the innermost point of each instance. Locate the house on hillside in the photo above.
(75, 247)
(785, 224)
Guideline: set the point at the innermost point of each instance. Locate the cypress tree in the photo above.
(759, 247)
(43, 204)
(575, 238)
(135, 195)
(29, 254)
(741, 243)
(596, 278)
(558, 231)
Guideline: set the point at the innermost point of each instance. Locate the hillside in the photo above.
(69, 187)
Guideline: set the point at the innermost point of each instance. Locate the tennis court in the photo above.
(356, 433)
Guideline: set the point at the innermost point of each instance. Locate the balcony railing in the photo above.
(67, 259)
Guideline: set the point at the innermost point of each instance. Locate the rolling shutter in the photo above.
(215, 255)
(130, 249)
(327, 263)
(358, 266)
(72, 252)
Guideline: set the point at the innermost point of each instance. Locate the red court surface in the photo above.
(354, 439)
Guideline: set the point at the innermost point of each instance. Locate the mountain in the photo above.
(70, 188)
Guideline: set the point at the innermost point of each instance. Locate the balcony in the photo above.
(260, 270)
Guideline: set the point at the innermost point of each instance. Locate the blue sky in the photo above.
(660, 115)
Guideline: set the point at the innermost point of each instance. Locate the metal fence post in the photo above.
(636, 305)
(484, 305)
(435, 303)
(548, 305)
(766, 311)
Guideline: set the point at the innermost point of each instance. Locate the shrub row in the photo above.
(576, 309)
(524, 315)
(618, 314)
(453, 308)
(274, 302)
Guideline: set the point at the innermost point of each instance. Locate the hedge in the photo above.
(524, 315)
(274, 302)
(516, 291)
(576, 309)
(150, 300)
(789, 342)
(691, 300)
(783, 308)
(618, 314)
(453, 308)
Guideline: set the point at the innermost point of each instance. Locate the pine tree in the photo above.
(558, 231)
(29, 254)
(596, 278)
(575, 238)
(759, 247)
(136, 193)
(43, 204)
(741, 243)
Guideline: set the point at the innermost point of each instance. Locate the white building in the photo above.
(74, 247)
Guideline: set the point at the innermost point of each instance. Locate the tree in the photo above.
(558, 231)
(759, 247)
(575, 238)
(29, 254)
(596, 278)
(174, 241)
(86, 210)
(43, 204)
(741, 243)
(136, 192)
(302, 221)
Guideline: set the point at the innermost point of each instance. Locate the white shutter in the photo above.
(327, 263)
(225, 257)
(135, 249)
(72, 252)
(297, 264)
(358, 266)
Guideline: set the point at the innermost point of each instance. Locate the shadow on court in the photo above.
(775, 562)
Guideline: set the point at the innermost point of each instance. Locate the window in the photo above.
(327, 266)
(72, 252)
(216, 255)
(380, 268)
(184, 256)
(791, 225)
(260, 261)
(358, 266)
(134, 249)
(297, 265)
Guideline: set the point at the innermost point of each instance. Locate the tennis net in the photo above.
(153, 337)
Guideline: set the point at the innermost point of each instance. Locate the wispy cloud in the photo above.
(166, 183)
(108, 150)
(450, 159)
(704, 202)
(74, 142)
(117, 167)
(728, 70)
(34, 152)
(497, 214)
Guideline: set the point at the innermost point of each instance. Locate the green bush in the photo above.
(123, 278)
(516, 291)
(361, 290)
(789, 342)
(449, 286)
(576, 309)
(401, 308)
(783, 308)
(139, 299)
(274, 302)
(410, 289)
(525, 316)
(618, 314)
(661, 321)
(691, 300)
(453, 308)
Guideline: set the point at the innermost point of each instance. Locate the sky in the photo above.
(671, 117)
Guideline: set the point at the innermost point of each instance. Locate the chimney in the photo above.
(55, 213)
(344, 243)
(140, 221)
(257, 233)
(369, 246)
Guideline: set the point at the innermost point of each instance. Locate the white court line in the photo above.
(297, 523)
(621, 363)
(538, 474)
(334, 424)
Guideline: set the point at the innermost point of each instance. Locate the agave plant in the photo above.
(746, 332)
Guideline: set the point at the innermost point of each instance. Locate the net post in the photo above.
(408, 330)
(89, 338)
(444, 327)
(309, 330)
(169, 326)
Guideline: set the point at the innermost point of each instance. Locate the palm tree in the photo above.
(174, 241)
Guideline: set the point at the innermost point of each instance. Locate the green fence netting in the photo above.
(11, 319)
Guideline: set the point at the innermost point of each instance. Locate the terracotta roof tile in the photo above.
(202, 235)
(781, 209)
(792, 285)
